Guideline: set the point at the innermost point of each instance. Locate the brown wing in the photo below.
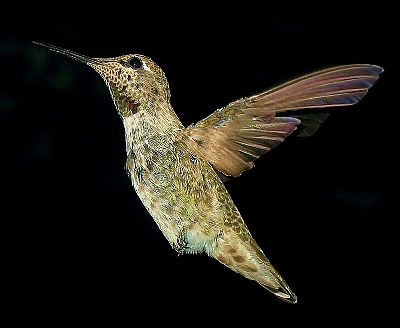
(234, 136)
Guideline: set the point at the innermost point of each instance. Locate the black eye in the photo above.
(135, 62)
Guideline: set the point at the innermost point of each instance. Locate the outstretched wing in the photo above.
(234, 136)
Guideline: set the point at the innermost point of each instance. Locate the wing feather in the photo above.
(233, 137)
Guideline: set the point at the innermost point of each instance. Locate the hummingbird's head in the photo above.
(135, 81)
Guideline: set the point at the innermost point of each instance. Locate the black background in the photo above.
(78, 243)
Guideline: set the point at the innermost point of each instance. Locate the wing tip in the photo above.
(370, 68)
(375, 69)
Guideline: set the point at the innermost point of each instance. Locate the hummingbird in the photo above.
(179, 172)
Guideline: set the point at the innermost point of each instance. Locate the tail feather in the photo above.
(246, 258)
(283, 292)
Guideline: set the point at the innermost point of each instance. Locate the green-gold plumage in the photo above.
(176, 170)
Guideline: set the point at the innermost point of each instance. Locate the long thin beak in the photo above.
(71, 54)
